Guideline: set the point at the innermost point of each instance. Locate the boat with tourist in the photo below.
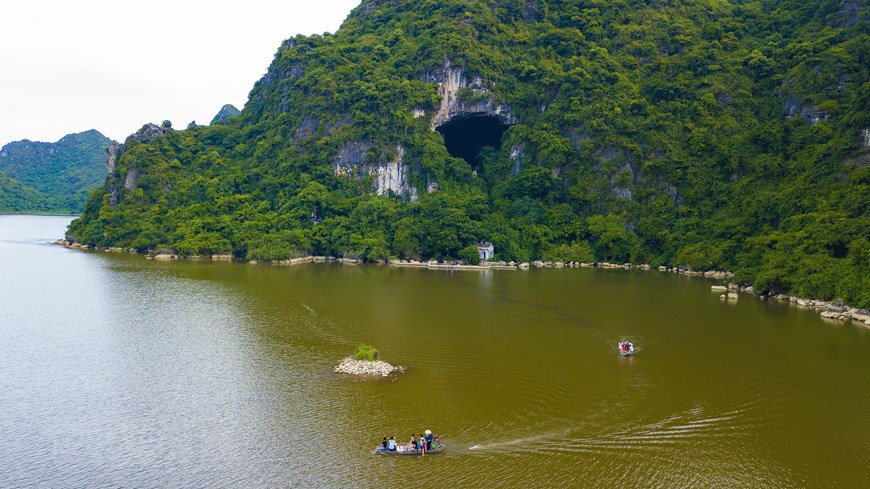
(625, 348)
(426, 445)
(404, 450)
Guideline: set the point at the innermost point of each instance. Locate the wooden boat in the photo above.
(403, 450)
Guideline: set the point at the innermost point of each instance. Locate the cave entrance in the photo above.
(466, 136)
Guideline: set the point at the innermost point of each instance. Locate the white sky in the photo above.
(67, 66)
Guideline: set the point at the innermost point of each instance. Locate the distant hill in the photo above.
(52, 177)
(14, 196)
(228, 111)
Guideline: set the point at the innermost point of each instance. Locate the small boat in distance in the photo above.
(625, 348)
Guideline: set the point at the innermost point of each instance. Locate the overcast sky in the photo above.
(69, 66)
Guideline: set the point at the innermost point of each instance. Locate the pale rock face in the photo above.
(393, 175)
(624, 192)
(450, 80)
(516, 154)
(112, 156)
(130, 181)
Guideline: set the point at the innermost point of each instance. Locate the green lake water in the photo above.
(117, 371)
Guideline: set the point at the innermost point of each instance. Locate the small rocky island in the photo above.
(352, 366)
(365, 362)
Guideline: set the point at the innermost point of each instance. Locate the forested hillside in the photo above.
(704, 134)
(52, 177)
(15, 196)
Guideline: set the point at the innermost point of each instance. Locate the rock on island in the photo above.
(353, 366)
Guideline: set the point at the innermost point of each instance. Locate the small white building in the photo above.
(486, 251)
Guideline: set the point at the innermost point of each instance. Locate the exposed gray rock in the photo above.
(307, 128)
(351, 157)
(112, 153)
(392, 176)
(517, 152)
(451, 80)
(130, 180)
(113, 197)
(149, 132)
(793, 106)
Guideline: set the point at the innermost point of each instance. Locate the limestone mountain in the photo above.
(227, 112)
(53, 177)
(16, 197)
(694, 133)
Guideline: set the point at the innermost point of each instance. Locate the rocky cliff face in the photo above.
(112, 156)
(145, 135)
(463, 96)
(389, 175)
(393, 177)
(792, 107)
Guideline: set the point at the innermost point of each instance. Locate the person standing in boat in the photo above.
(428, 439)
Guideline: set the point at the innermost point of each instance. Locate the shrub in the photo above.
(366, 352)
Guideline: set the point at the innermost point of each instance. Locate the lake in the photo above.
(117, 371)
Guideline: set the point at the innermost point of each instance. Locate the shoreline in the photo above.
(828, 310)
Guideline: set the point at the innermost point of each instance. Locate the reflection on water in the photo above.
(118, 371)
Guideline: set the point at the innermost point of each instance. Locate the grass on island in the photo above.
(366, 352)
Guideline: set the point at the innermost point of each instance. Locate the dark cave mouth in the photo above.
(466, 136)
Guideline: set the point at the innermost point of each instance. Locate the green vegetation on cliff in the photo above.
(52, 177)
(700, 133)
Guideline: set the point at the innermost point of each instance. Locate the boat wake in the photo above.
(700, 423)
